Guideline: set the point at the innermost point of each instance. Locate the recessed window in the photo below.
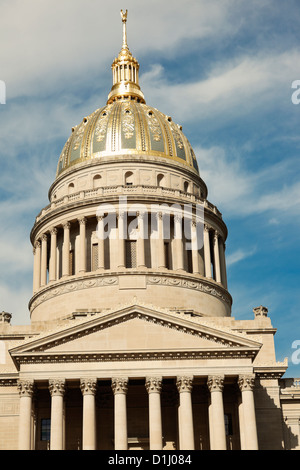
(45, 429)
(228, 424)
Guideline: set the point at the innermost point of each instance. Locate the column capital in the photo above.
(216, 235)
(88, 386)
(215, 383)
(37, 244)
(57, 387)
(82, 220)
(44, 237)
(153, 384)
(246, 382)
(100, 217)
(206, 228)
(26, 388)
(53, 231)
(66, 225)
(184, 383)
(119, 385)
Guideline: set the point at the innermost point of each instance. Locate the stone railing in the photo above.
(126, 190)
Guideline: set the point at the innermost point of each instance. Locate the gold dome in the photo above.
(126, 126)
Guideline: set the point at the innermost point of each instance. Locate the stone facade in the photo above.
(131, 343)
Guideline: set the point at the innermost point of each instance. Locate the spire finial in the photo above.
(124, 21)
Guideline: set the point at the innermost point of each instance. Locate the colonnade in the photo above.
(207, 254)
(186, 418)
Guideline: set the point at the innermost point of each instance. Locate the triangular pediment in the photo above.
(136, 331)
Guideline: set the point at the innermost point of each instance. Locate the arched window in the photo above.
(129, 178)
(186, 186)
(160, 180)
(96, 181)
(71, 188)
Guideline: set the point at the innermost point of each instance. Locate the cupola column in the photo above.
(223, 263)
(121, 240)
(100, 236)
(160, 241)
(178, 241)
(141, 263)
(186, 431)
(194, 243)
(120, 387)
(52, 260)
(37, 266)
(207, 257)
(217, 257)
(66, 250)
(82, 244)
(44, 260)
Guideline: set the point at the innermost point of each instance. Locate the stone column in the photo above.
(160, 241)
(100, 236)
(153, 386)
(207, 258)
(223, 263)
(66, 250)
(178, 241)
(194, 242)
(246, 384)
(119, 387)
(37, 266)
(26, 389)
(186, 433)
(82, 244)
(44, 260)
(141, 263)
(121, 241)
(57, 391)
(217, 422)
(217, 257)
(89, 389)
(52, 260)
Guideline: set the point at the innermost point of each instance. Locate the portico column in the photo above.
(119, 387)
(37, 266)
(217, 257)
(44, 260)
(66, 250)
(141, 263)
(153, 386)
(100, 235)
(246, 384)
(121, 240)
(161, 244)
(207, 257)
(178, 240)
(217, 422)
(82, 244)
(52, 260)
(184, 387)
(88, 389)
(26, 389)
(57, 391)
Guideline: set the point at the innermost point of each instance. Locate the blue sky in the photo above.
(222, 69)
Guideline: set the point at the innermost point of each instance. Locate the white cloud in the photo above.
(239, 255)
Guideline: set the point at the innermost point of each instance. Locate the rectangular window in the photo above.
(45, 429)
(130, 247)
(167, 255)
(228, 424)
(71, 263)
(94, 257)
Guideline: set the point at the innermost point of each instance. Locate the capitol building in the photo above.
(131, 344)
